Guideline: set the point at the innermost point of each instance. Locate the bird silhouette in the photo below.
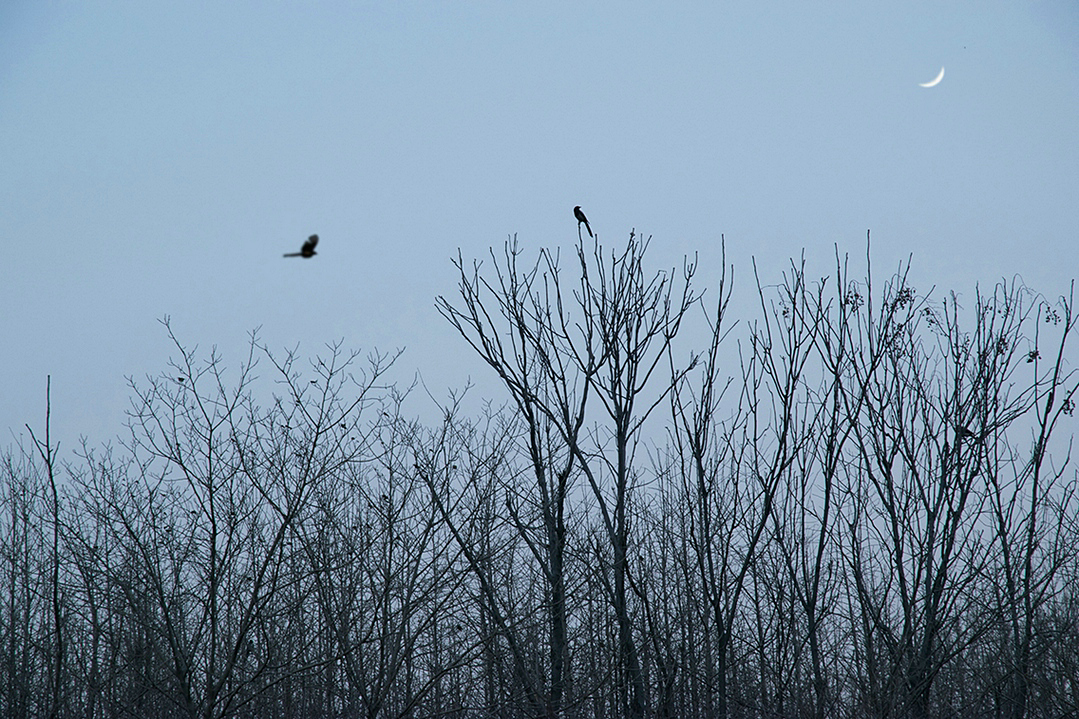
(308, 249)
(962, 433)
(581, 218)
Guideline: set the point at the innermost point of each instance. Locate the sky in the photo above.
(157, 159)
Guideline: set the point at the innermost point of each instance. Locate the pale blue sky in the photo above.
(158, 158)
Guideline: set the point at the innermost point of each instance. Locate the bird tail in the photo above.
(292, 254)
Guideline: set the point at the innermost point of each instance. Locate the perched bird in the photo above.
(581, 218)
(308, 249)
(963, 433)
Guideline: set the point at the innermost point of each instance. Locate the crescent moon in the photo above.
(935, 81)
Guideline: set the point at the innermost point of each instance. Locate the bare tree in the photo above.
(608, 346)
(730, 462)
(1030, 501)
(549, 390)
(23, 546)
(463, 469)
(48, 451)
(809, 499)
(384, 574)
(929, 434)
(207, 523)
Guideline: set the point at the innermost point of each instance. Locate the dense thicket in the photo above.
(859, 503)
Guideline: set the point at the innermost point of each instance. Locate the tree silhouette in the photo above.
(858, 502)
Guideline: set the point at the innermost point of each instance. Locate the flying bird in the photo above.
(308, 249)
(581, 218)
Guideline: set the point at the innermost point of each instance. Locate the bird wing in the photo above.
(310, 244)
